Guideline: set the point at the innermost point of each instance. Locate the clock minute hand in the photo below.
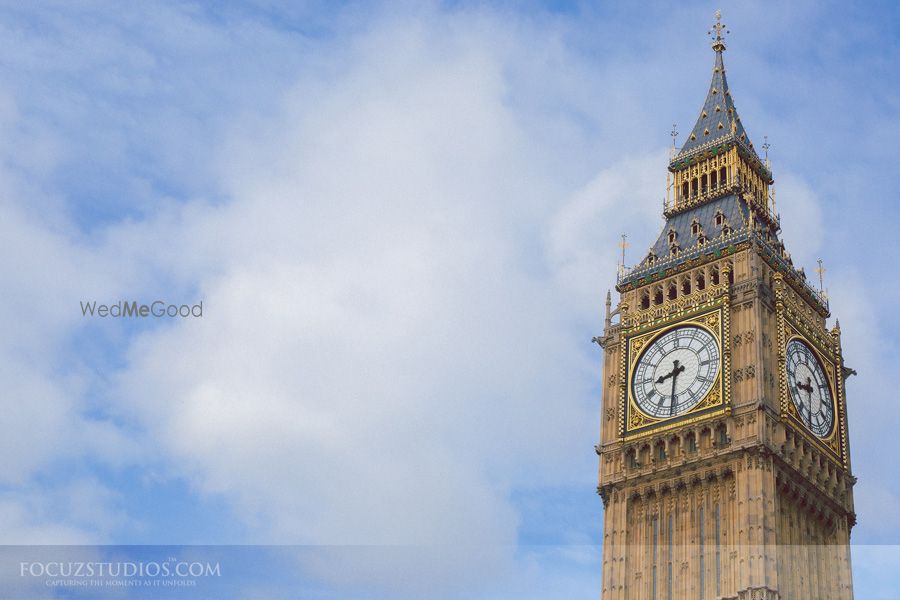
(674, 379)
(808, 388)
(673, 373)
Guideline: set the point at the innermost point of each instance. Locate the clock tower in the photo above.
(724, 457)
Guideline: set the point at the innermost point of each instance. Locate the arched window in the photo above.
(695, 227)
(714, 275)
(713, 182)
(631, 459)
(658, 296)
(660, 451)
(691, 442)
(701, 281)
(705, 435)
(673, 291)
(720, 218)
(645, 300)
(722, 177)
(686, 286)
(693, 187)
(704, 184)
(674, 444)
(644, 456)
(721, 436)
(684, 190)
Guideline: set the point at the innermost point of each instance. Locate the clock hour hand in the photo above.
(676, 369)
(808, 388)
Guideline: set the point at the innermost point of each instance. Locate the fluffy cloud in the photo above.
(378, 360)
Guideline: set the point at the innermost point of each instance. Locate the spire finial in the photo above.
(718, 41)
(766, 145)
(623, 244)
(608, 318)
(821, 271)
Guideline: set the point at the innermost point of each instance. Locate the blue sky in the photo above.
(401, 219)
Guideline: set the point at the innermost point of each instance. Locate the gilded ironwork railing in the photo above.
(659, 267)
(711, 246)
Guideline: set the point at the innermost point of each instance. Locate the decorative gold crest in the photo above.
(638, 344)
(637, 420)
(714, 398)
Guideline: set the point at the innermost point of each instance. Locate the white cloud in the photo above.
(584, 236)
(379, 360)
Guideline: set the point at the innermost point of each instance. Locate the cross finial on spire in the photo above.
(673, 134)
(718, 41)
(623, 244)
(821, 271)
(766, 145)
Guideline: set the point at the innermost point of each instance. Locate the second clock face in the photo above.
(676, 372)
(809, 388)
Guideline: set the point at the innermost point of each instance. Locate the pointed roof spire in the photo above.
(718, 121)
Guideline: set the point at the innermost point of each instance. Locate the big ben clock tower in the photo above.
(724, 458)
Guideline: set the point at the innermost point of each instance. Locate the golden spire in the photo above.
(718, 41)
(623, 244)
(672, 151)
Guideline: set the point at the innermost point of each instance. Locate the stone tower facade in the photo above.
(724, 459)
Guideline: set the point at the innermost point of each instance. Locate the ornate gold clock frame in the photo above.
(634, 423)
(795, 321)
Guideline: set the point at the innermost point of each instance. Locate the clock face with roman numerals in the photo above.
(809, 388)
(675, 372)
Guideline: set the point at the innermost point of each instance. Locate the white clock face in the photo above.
(676, 372)
(809, 388)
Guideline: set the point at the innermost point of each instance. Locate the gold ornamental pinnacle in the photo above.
(718, 40)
